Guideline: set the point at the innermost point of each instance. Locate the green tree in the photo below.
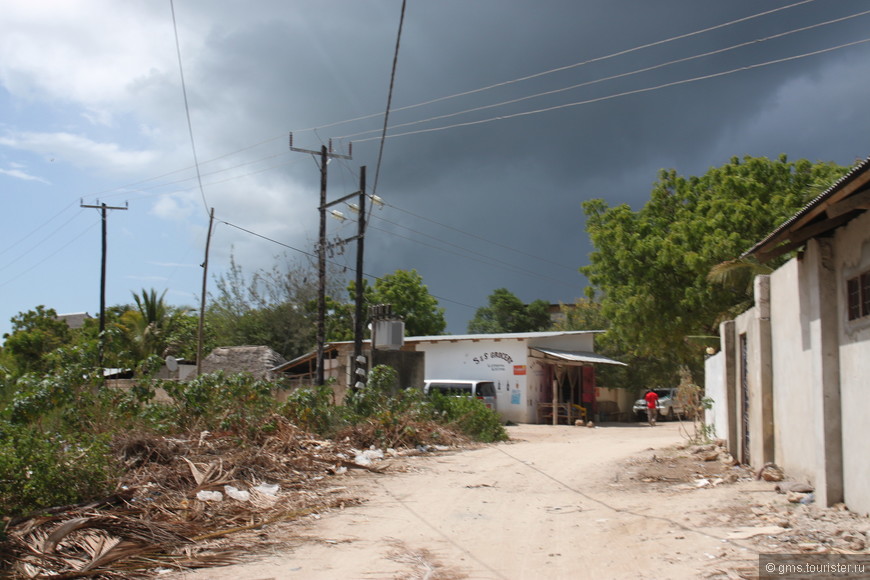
(35, 334)
(149, 327)
(651, 266)
(507, 313)
(410, 298)
(276, 308)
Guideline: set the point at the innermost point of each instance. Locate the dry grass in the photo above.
(157, 521)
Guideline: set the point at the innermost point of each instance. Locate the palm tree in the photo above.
(149, 326)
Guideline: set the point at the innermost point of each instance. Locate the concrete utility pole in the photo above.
(103, 207)
(325, 156)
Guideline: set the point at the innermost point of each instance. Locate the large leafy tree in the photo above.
(651, 266)
(507, 313)
(35, 334)
(410, 298)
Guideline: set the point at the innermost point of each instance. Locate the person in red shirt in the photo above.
(651, 407)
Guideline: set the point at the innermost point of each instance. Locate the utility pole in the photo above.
(199, 336)
(103, 208)
(325, 155)
(358, 360)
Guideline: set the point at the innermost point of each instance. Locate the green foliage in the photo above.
(237, 403)
(275, 308)
(313, 409)
(35, 334)
(410, 298)
(651, 266)
(469, 416)
(40, 469)
(150, 327)
(507, 313)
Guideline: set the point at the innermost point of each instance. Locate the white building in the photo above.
(529, 370)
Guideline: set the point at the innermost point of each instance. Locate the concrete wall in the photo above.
(814, 414)
(792, 404)
(853, 257)
(715, 388)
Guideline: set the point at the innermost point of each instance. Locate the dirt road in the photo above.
(555, 502)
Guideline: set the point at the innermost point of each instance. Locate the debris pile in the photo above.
(687, 467)
(187, 503)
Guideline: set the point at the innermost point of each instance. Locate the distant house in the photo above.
(790, 384)
(75, 320)
(533, 372)
(256, 360)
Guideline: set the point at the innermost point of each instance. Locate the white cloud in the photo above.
(174, 207)
(50, 49)
(18, 174)
(80, 150)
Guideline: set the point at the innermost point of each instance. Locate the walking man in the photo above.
(652, 400)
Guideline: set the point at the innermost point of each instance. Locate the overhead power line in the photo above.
(389, 100)
(187, 106)
(568, 67)
(613, 77)
(312, 255)
(624, 93)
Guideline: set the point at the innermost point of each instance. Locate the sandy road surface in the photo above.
(549, 504)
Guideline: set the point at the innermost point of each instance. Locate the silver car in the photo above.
(667, 406)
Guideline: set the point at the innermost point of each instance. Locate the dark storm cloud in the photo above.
(521, 181)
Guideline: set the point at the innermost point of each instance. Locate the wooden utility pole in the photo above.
(199, 339)
(325, 154)
(103, 208)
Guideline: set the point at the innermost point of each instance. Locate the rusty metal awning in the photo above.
(571, 356)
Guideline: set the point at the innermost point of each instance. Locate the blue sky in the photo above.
(92, 111)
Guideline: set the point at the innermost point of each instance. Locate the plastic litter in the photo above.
(205, 495)
(236, 493)
(808, 498)
(368, 456)
(267, 488)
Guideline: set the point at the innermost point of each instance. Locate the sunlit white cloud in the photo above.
(18, 174)
(79, 150)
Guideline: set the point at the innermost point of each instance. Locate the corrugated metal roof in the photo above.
(839, 184)
(576, 356)
(502, 336)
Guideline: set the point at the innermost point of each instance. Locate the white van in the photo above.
(484, 390)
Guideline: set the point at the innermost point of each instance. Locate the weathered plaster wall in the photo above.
(792, 369)
(715, 389)
(853, 257)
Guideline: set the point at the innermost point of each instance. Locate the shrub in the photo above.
(312, 409)
(39, 469)
(469, 416)
(237, 403)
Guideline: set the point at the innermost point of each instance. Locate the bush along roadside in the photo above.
(57, 431)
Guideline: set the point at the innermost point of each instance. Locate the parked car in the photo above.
(667, 406)
(484, 390)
